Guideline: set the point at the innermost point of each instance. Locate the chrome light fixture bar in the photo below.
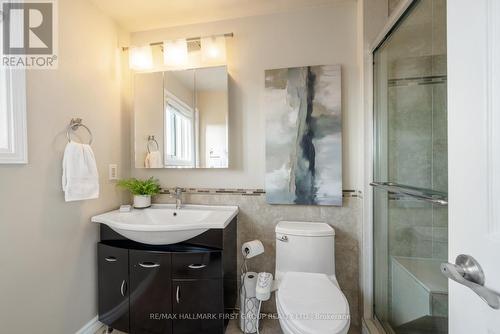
(188, 40)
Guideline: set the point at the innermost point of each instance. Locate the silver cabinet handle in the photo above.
(197, 266)
(123, 288)
(111, 259)
(468, 272)
(149, 265)
(177, 294)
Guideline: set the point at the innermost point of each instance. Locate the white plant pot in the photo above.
(142, 201)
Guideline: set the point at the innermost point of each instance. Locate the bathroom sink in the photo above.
(163, 224)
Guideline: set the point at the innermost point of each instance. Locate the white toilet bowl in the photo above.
(311, 303)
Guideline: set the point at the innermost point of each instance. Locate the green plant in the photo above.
(150, 186)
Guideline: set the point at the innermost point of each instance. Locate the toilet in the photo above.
(308, 296)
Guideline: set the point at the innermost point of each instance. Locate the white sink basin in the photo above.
(162, 224)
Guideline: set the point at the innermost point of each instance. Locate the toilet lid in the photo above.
(312, 303)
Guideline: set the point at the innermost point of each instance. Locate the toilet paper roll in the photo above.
(250, 283)
(252, 248)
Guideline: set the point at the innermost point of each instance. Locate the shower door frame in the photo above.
(370, 322)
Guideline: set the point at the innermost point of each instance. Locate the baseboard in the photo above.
(364, 328)
(90, 327)
(371, 326)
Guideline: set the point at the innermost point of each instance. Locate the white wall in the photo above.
(312, 36)
(48, 247)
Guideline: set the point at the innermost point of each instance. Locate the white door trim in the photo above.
(15, 105)
(492, 114)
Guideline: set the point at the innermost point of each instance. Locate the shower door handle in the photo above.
(469, 273)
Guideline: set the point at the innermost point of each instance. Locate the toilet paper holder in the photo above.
(252, 248)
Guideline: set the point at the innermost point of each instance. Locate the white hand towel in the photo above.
(153, 160)
(80, 180)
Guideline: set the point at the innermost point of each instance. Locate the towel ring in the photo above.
(153, 140)
(74, 125)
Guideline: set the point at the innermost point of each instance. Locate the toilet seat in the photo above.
(311, 303)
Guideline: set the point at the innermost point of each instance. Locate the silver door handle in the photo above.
(123, 288)
(177, 294)
(110, 259)
(197, 266)
(149, 265)
(468, 272)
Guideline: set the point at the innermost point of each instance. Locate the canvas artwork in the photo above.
(304, 135)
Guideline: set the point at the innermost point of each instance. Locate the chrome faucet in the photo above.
(178, 197)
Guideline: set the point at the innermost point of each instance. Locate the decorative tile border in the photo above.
(428, 80)
(243, 192)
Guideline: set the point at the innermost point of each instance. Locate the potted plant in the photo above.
(142, 190)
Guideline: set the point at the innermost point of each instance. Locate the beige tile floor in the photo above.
(269, 326)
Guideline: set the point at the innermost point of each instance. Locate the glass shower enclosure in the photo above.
(411, 172)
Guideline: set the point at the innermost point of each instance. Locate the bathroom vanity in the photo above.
(185, 287)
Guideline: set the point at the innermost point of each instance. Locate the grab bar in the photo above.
(431, 196)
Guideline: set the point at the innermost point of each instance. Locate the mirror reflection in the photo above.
(181, 119)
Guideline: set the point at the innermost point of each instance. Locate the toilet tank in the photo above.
(304, 247)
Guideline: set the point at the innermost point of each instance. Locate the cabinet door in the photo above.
(113, 286)
(198, 306)
(150, 292)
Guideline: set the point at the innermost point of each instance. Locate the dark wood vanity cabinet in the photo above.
(113, 286)
(186, 288)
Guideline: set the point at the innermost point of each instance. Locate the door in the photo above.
(410, 173)
(198, 305)
(150, 292)
(474, 156)
(113, 286)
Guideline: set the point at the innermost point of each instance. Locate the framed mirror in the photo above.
(181, 119)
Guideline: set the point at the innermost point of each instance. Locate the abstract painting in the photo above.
(304, 135)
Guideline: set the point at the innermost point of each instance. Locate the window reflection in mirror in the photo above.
(180, 118)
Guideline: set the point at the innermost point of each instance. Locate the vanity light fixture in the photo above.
(213, 50)
(140, 58)
(175, 53)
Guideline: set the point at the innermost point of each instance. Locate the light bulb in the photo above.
(175, 53)
(213, 50)
(141, 58)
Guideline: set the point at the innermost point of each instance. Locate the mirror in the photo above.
(181, 119)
